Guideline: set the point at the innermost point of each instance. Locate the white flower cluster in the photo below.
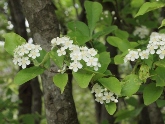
(103, 95)
(25, 52)
(142, 32)
(156, 45)
(76, 53)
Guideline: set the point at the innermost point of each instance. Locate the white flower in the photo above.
(24, 61)
(144, 54)
(142, 32)
(68, 44)
(37, 48)
(113, 12)
(54, 42)
(61, 51)
(151, 48)
(16, 59)
(92, 61)
(107, 96)
(133, 55)
(97, 66)
(92, 51)
(75, 66)
(100, 100)
(75, 48)
(161, 52)
(75, 56)
(29, 46)
(116, 101)
(96, 86)
(33, 54)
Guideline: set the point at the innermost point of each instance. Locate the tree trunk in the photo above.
(25, 90)
(60, 108)
(155, 114)
(29, 93)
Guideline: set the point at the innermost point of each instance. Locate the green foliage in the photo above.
(12, 40)
(122, 45)
(58, 60)
(160, 78)
(104, 59)
(27, 74)
(60, 80)
(93, 10)
(111, 108)
(130, 85)
(43, 60)
(111, 84)
(80, 32)
(144, 72)
(163, 23)
(82, 78)
(149, 6)
(151, 93)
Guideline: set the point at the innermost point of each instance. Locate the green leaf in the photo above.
(12, 40)
(160, 63)
(99, 46)
(144, 72)
(130, 85)
(123, 45)
(149, 6)
(28, 119)
(163, 23)
(60, 80)
(105, 31)
(78, 37)
(119, 59)
(121, 34)
(160, 103)
(124, 114)
(93, 11)
(104, 59)
(151, 93)
(82, 78)
(110, 107)
(58, 60)
(27, 74)
(111, 84)
(160, 78)
(79, 26)
(43, 59)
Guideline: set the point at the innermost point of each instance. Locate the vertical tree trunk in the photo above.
(25, 90)
(60, 108)
(155, 114)
(29, 93)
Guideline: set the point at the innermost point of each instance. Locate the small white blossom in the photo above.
(151, 48)
(75, 66)
(92, 61)
(142, 32)
(23, 52)
(24, 62)
(144, 54)
(97, 66)
(33, 54)
(61, 51)
(92, 52)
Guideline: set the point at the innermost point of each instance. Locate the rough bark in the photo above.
(155, 114)
(60, 108)
(25, 90)
(29, 93)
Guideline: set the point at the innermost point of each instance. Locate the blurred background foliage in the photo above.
(70, 10)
